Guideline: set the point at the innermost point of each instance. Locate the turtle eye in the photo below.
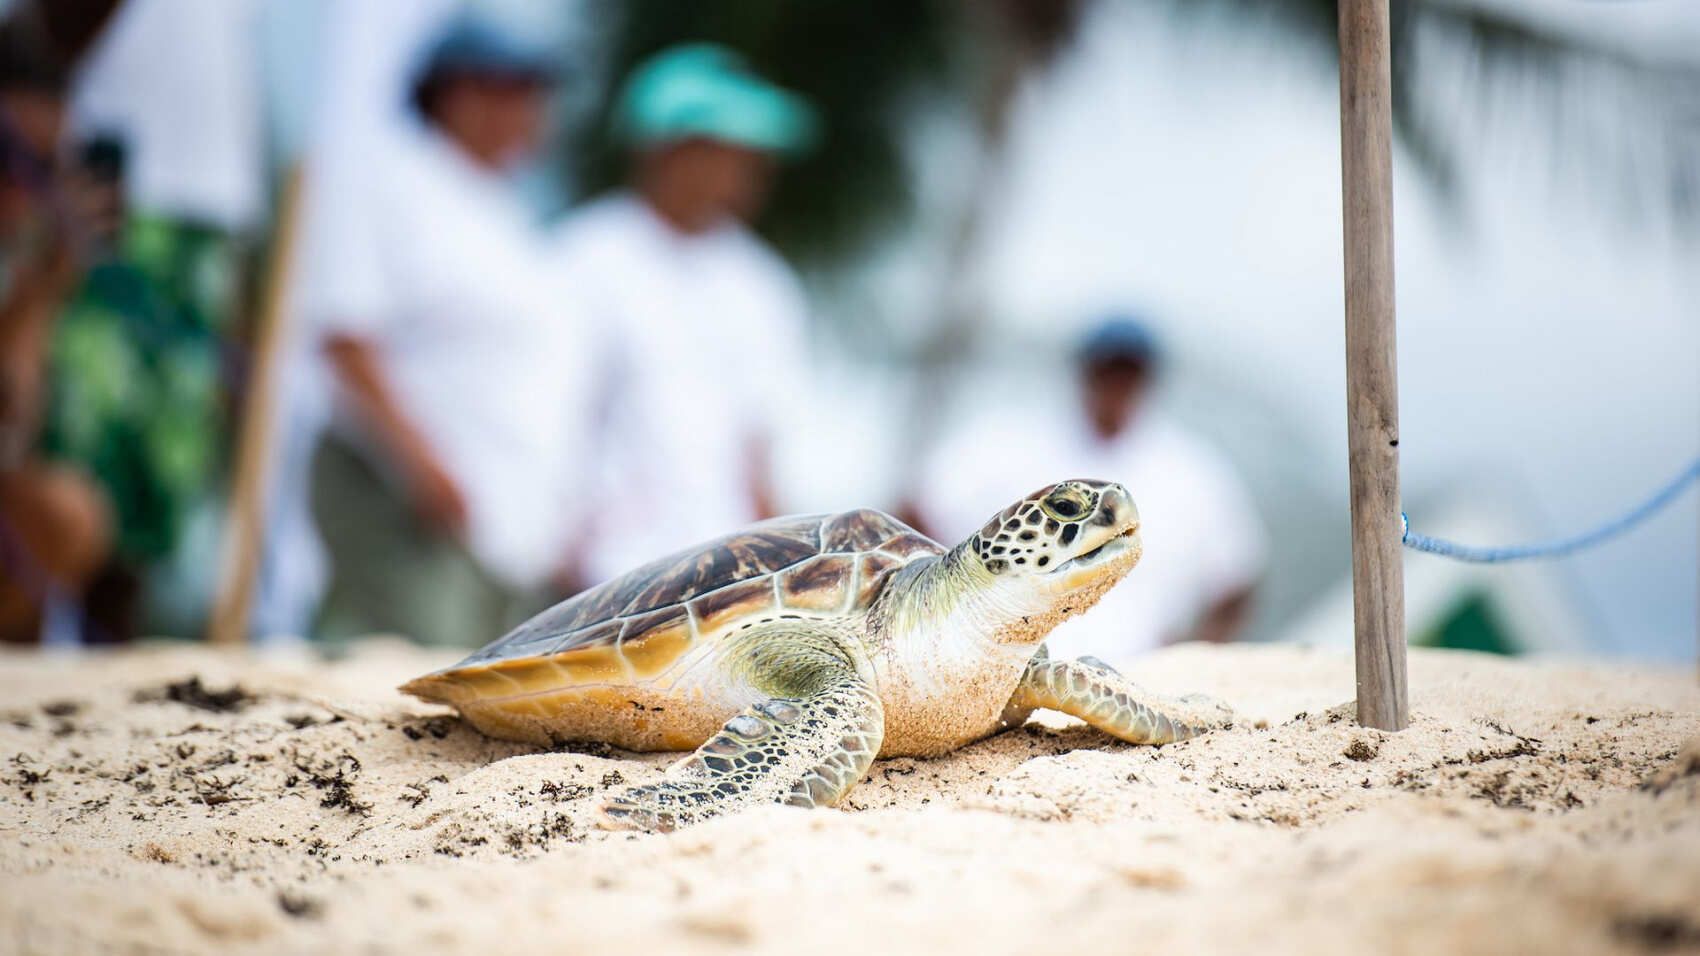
(1065, 506)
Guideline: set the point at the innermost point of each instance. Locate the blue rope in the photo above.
(1551, 549)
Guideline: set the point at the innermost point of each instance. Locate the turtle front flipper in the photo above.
(806, 746)
(1096, 693)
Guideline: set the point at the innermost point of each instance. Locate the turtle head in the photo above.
(1052, 554)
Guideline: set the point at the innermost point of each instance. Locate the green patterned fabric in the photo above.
(136, 394)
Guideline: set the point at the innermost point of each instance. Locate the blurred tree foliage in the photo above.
(860, 62)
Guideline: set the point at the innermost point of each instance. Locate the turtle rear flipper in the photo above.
(805, 747)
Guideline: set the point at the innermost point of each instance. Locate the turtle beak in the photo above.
(1116, 511)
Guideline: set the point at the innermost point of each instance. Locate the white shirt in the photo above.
(179, 80)
(1203, 540)
(701, 342)
(436, 264)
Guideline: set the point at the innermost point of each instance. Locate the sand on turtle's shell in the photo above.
(1531, 807)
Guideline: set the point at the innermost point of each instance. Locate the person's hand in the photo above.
(81, 216)
(759, 462)
(80, 224)
(431, 488)
(94, 208)
(569, 577)
(437, 497)
(910, 513)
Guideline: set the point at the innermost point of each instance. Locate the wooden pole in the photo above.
(1372, 393)
(245, 530)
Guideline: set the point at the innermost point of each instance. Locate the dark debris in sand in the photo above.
(190, 692)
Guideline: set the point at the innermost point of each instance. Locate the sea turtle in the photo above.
(788, 656)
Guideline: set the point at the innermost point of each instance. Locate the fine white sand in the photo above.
(1531, 807)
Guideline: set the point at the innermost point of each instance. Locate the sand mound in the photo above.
(173, 799)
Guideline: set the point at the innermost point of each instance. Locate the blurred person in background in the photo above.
(167, 106)
(1204, 543)
(340, 80)
(701, 323)
(440, 486)
(55, 521)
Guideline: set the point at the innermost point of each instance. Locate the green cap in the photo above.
(705, 90)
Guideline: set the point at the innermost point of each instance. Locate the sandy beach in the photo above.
(175, 799)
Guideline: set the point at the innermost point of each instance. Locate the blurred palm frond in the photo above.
(1621, 127)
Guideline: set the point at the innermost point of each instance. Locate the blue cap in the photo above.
(1119, 337)
(707, 91)
(474, 44)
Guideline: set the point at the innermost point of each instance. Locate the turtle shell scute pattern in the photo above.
(805, 562)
